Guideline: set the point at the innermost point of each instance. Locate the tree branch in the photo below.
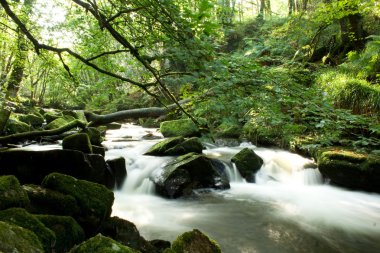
(124, 12)
(106, 53)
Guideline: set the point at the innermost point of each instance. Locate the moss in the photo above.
(248, 163)
(229, 130)
(22, 218)
(11, 193)
(182, 127)
(101, 244)
(189, 145)
(15, 126)
(79, 141)
(66, 229)
(195, 241)
(342, 154)
(59, 122)
(161, 147)
(94, 200)
(95, 135)
(46, 201)
(17, 239)
(77, 114)
(32, 119)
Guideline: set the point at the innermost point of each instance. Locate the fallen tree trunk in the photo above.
(153, 112)
(14, 138)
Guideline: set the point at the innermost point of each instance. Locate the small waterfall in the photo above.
(234, 174)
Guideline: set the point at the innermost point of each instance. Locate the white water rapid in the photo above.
(288, 209)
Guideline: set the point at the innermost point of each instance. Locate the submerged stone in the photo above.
(102, 244)
(181, 127)
(11, 193)
(22, 218)
(248, 163)
(94, 200)
(14, 238)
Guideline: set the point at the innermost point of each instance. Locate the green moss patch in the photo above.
(11, 193)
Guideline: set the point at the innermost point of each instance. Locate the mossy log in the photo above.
(14, 138)
(153, 112)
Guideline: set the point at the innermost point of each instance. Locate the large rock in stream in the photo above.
(187, 173)
(30, 167)
(350, 169)
(11, 193)
(180, 127)
(247, 163)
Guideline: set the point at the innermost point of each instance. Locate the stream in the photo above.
(288, 209)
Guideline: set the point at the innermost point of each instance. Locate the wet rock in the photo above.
(113, 126)
(126, 232)
(350, 169)
(66, 229)
(98, 150)
(95, 135)
(194, 241)
(160, 245)
(79, 141)
(118, 169)
(30, 167)
(22, 218)
(14, 126)
(32, 120)
(185, 174)
(94, 200)
(181, 127)
(248, 163)
(59, 122)
(46, 201)
(11, 193)
(176, 146)
(14, 238)
(101, 244)
(100, 169)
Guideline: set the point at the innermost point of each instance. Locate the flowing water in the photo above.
(288, 209)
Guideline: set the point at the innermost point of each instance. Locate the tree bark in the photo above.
(15, 138)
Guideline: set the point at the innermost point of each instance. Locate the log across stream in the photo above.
(288, 209)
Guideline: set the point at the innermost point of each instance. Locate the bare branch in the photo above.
(106, 53)
(124, 12)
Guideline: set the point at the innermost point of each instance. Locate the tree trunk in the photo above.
(291, 4)
(13, 85)
(352, 33)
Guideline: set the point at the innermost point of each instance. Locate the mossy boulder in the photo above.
(181, 127)
(11, 193)
(194, 241)
(30, 167)
(52, 115)
(95, 135)
(118, 169)
(76, 114)
(94, 200)
(101, 172)
(113, 126)
(350, 169)
(22, 218)
(187, 173)
(102, 244)
(66, 229)
(176, 146)
(248, 163)
(98, 150)
(79, 141)
(14, 126)
(46, 201)
(228, 130)
(59, 122)
(33, 120)
(14, 238)
(126, 232)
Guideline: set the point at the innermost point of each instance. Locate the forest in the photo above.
(296, 75)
